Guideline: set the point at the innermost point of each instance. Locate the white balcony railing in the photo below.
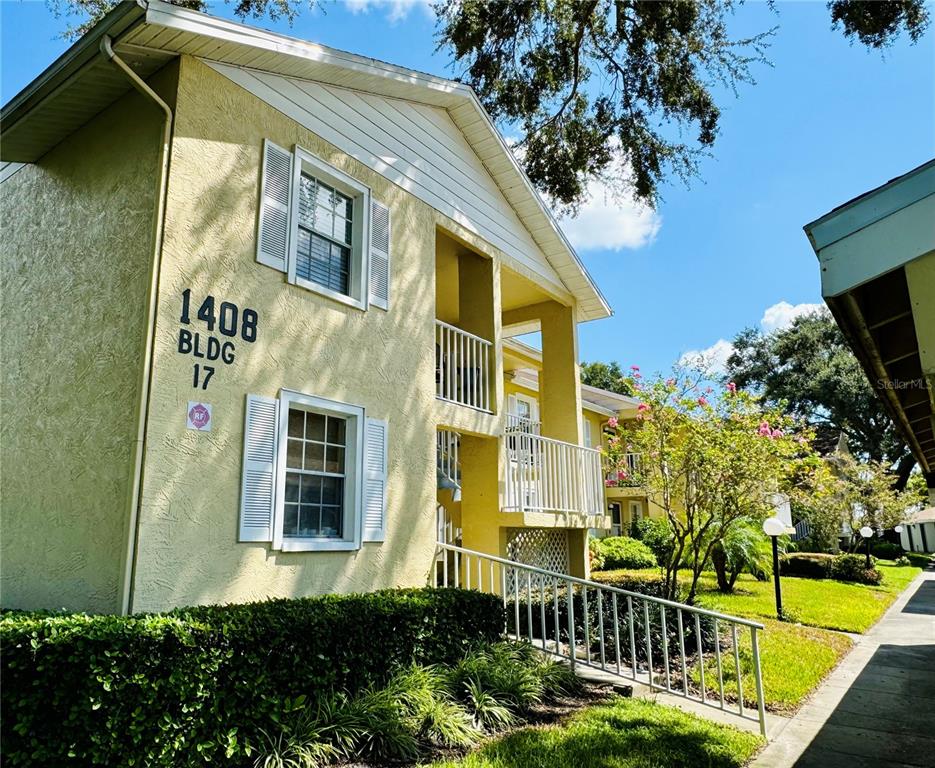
(546, 475)
(463, 367)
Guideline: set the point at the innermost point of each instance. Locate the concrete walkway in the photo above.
(877, 709)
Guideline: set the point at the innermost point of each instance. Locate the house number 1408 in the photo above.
(229, 320)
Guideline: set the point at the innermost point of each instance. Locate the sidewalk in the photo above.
(877, 709)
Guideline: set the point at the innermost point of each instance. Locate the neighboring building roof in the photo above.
(148, 34)
(594, 399)
(926, 515)
(877, 277)
(609, 401)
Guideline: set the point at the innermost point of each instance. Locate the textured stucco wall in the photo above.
(76, 248)
(384, 361)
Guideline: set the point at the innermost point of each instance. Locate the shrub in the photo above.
(903, 561)
(886, 550)
(203, 684)
(595, 554)
(655, 534)
(810, 565)
(854, 568)
(624, 552)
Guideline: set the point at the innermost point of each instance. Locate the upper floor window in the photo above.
(325, 235)
(323, 229)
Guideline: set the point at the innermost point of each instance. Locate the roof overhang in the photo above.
(149, 34)
(877, 257)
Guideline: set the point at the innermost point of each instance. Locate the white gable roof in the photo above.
(149, 34)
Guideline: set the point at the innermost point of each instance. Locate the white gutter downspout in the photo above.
(129, 575)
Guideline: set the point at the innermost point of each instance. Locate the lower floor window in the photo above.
(313, 501)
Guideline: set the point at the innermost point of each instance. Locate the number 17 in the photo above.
(196, 378)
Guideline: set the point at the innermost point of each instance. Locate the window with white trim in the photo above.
(318, 488)
(314, 474)
(330, 232)
(323, 228)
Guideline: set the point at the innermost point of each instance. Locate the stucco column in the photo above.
(559, 393)
(480, 495)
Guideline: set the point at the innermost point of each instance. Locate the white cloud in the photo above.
(607, 223)
(781, 315)
(396, 10)
(713, 358)
(776, 318)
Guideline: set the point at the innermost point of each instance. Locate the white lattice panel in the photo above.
(545, 548)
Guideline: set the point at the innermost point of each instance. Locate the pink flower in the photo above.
(670, 383)
(637, 376)
(776, 433)
(613, 442)
(732, 388)
(708, 390)
(801, 440)
(642, 408)
(634, 367)
(702, 401)
(764, 429)
(612, 422)
(610, 483)
(621, 475)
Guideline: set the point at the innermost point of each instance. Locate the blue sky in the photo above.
(828, 121)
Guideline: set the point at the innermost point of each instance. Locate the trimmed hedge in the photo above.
(618, 552)
(886, 550)
(843, 567)
(811, 565)
(198, 684)
(854, 568)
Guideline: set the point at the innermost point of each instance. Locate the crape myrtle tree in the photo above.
(711, 462)
(622, 91)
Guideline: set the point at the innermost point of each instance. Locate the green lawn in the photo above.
(816, 602)
(795, 659)
(625, 733)
(795, 656)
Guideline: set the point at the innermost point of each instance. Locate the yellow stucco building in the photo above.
(258, 296)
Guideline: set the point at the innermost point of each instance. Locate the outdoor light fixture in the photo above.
(867, 532)
(774, 528)
(898, 529)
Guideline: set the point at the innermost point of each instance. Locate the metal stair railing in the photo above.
(627, 634)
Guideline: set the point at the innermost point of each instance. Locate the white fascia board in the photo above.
(174, 17)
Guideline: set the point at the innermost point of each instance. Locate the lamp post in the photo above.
(867, 532)
(774, 528)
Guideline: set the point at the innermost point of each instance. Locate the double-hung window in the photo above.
(323, 229)
(314, 474)
(325, 235)
(319, 474)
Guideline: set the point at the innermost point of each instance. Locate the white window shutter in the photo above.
(375, 442)
(272, 245)
(586, 432)
(261, 427)
(379, 254)
(511, 405)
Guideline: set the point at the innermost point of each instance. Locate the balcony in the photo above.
(463, 366)
(550, 476)
(628, 475)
